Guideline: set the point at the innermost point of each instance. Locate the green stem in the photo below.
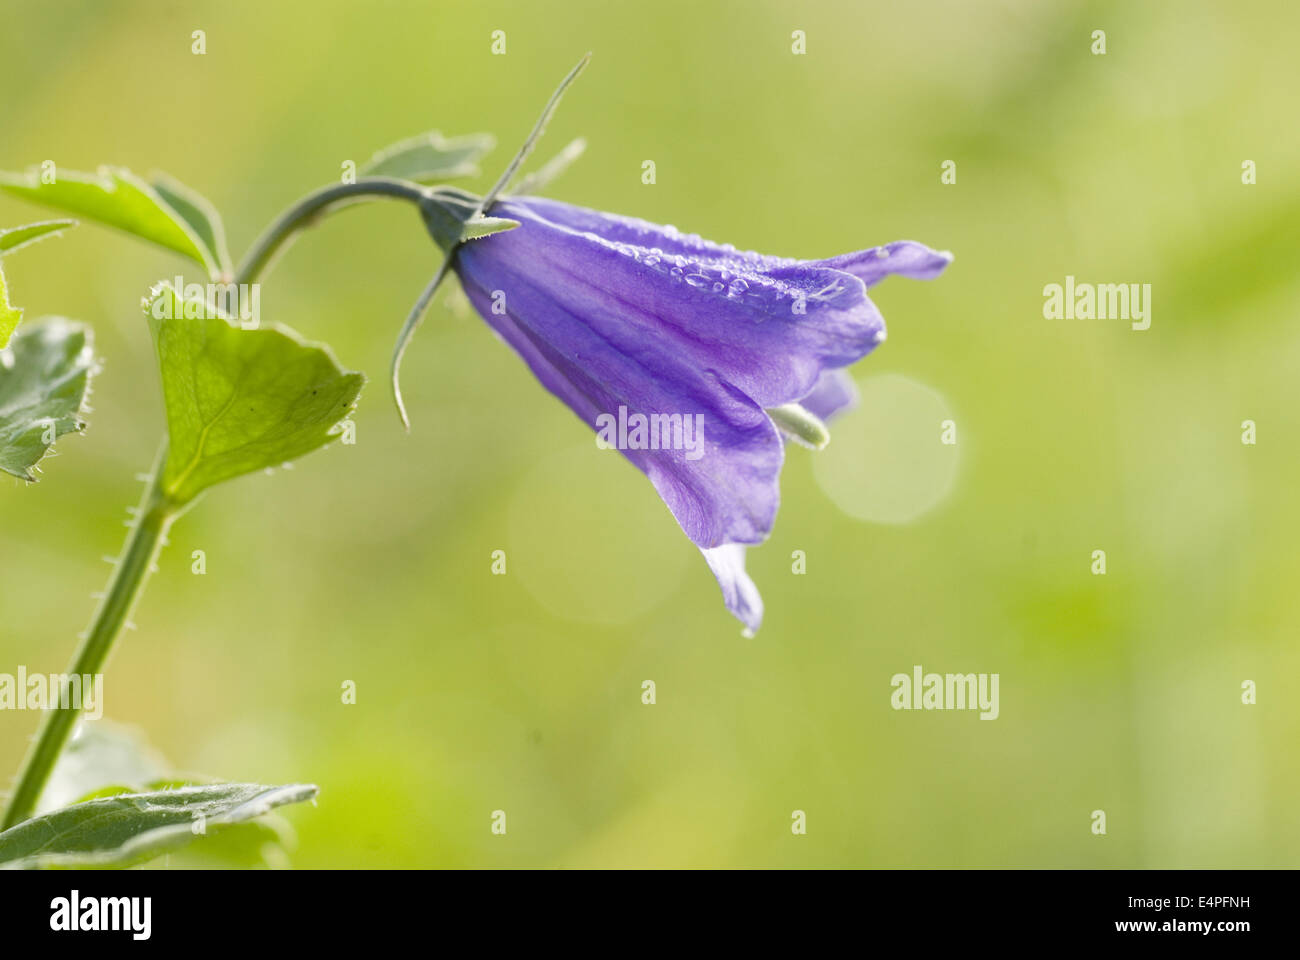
(408, 331)
(148, 533)
(306, 210)
(155, 516)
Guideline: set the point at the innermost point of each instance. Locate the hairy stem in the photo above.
(148, 533)
(155, 515)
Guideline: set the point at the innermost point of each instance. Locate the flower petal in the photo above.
(767, 325)
(722, 483)
(636, 232)
(834, 393)
(906, 258)
(738, 590)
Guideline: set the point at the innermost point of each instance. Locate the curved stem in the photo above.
(306, 210)
(408, 331)
(148, 533)
(157, 511)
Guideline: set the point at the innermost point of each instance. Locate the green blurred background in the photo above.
(522, 692)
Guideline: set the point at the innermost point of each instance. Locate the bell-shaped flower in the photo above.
(688, 356)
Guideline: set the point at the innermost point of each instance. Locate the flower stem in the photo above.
(148, 534)
(302, 214)
(155, 515)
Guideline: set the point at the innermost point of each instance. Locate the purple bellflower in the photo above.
(703, 354)
(615, 313)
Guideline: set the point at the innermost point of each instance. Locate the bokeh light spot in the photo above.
(887, 462)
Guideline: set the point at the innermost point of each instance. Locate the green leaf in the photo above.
(101, 756)
(130, 828)
(116, 197)
(239, 400)
(536, 181)
(200, 215)
(430, 157)
(44, 375)
(485, 226)
(15, 238)
(449, 216)
(105, 759)
(260, 843)
(10, 316)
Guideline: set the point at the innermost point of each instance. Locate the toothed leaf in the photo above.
(240, 400)
(44, 374)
